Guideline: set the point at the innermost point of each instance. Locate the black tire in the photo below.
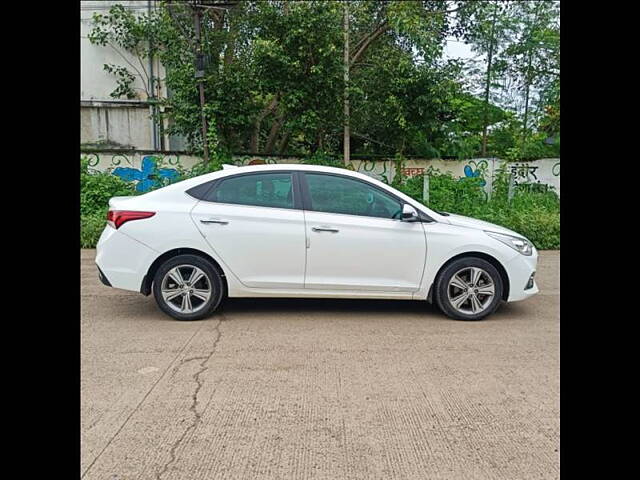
(211, 275)
(441, 287)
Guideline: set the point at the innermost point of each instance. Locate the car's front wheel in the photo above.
(469, 288)
(188, 287)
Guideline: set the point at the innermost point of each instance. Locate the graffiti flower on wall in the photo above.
(469, 172)
(148, 176)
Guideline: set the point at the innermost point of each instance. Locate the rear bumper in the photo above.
(520, 270)
(122, 261)
(103, 278)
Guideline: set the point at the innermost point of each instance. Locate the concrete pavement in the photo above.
(349, 389)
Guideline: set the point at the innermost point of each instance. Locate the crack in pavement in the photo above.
(193, 408)
(144, 398)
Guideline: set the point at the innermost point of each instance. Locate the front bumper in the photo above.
(520, 271)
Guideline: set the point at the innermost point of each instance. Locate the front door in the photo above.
(356, 240)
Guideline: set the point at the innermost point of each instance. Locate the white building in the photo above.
(118, 123)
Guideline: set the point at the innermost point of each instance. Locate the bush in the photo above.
(96, 188)
(91, 227)
(532, 213)
(324, 159)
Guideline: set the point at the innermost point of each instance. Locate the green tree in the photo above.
(488, 28)
(273, 74)
(534, 59)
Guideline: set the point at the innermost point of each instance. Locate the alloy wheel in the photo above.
(471, 290)
(186, 288)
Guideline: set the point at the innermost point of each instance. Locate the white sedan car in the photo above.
(306, 231)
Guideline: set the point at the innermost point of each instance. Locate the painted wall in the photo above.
(543, 171)
(141, 167)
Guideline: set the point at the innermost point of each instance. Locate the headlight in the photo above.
(520, 244)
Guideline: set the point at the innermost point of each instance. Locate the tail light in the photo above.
(117, 218)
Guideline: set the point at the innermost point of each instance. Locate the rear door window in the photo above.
(260, 190)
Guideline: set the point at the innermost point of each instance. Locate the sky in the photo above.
(458, 49)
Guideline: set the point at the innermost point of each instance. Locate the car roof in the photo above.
(271, 167)
(284, 166)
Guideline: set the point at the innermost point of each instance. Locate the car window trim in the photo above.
(301, 194)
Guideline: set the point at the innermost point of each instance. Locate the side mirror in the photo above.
(409, 214)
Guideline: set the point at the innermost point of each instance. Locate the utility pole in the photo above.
(197, 7)
(488, 84)
(151, 97)
(347, 135)
(197, 18)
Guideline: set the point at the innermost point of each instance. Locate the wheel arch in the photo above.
(147, 281)
(492, 260)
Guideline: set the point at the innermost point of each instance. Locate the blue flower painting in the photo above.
(148, 176)
(471, 173)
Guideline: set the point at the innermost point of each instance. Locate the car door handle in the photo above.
(214, 220)
(325, 229)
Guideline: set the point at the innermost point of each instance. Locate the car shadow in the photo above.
(325, 305)
(332, 306)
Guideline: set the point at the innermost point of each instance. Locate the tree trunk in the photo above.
(197, 18)
(526, 103)
(255, 135)
(273, 133)
(232, 37)
(364, 44)
(215, 53)
(285, 142)
(347, 63)
(230, 50)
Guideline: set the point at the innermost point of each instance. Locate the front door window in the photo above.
(336, 194)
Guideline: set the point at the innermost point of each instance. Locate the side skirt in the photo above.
(313, 293)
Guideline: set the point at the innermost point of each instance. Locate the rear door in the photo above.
(255, 224)
(356, 240)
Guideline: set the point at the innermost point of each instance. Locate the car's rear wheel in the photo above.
(188, 287)
(469, 288)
